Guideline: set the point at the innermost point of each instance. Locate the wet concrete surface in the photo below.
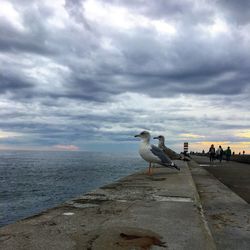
(138, 212)
(228, 215)
(233, 174)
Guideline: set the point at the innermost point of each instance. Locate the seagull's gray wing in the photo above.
(171, 153)
(159, 153)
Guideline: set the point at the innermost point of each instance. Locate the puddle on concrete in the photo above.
(172, 198)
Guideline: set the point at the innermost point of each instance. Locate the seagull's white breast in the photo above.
(146, 154)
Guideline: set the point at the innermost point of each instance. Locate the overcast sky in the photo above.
(88, 75)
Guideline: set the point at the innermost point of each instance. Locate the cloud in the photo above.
(244, 134)
(238, 12)
(191, 136)
(91, 72)
(76, 10)
(7, 134)
(66, 147)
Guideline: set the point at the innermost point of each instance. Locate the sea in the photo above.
(33, 181)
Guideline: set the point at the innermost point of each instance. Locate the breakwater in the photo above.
(162, 211)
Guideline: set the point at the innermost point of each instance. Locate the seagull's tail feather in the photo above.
(175, 166)
(172, 165)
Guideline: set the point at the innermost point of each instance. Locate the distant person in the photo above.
(243, 152)
(228, 154)
(219, 153)
(233, 153)
(211, 153)
(203, 151)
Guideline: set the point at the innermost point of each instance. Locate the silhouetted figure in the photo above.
(243, 152)
(211, 153)
(233, 153)
(219, 153)
(203, 151)
(228, 154)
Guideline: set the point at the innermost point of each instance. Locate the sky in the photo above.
(90, 74)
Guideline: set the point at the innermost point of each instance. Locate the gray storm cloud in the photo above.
(61, 61)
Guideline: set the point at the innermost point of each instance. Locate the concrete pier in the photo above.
(162, 211)
(228, 215)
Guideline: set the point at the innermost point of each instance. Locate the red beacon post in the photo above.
(185, 148)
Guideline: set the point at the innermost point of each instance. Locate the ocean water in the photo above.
(31, 182)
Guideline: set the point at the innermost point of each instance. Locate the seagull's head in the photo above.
(144, 135)
(160, 138)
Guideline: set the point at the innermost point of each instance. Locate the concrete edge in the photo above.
(201, 210)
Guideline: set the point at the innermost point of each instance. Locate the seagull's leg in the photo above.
(149, 169)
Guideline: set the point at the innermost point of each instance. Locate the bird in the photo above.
(153, 154)
(169, 152)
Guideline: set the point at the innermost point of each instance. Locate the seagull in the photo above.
(153, 154)
(169, 152)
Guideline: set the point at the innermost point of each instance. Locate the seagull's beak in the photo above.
(137, 136)
(157, 137)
